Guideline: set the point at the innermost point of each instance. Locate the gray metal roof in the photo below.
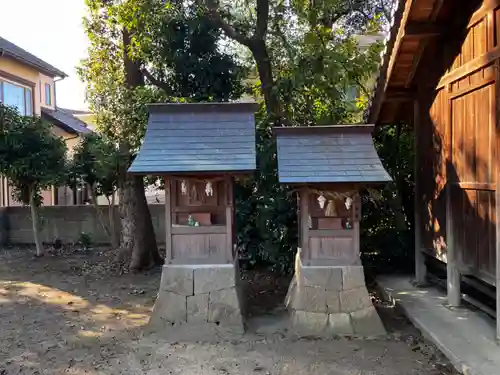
(198, 138)
(65, 120)
(325, 154)
(9, 49)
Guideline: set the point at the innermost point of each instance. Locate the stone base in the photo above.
(203, 295)
(332, 300)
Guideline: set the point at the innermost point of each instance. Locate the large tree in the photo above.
(32, 158)
(304, 51)
(304, 59)
(144, 51)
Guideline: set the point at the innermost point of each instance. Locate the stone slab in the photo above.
(308, 298)
(197, 308)
(332, 301)
(178, 280)
(340, 324)
(169, 307)
(213, 278)
(366, 322)
(223, 307)
(354, 299)
(326, 277)
(309, 323)
(352, 277)
(465, 336)
(313, 299)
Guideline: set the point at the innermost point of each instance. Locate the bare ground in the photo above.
(70, 313)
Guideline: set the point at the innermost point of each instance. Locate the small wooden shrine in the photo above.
(200, 219)
(328, 165)
(199, 149)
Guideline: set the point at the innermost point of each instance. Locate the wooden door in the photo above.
(472, 175)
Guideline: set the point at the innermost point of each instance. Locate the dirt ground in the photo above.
(69, 313)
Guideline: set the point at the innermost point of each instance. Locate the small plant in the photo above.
(85, 240)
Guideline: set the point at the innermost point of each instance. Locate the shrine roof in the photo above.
(198, 138)
(328, 154)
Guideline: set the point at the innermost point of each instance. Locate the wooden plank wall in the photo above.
(458, 147)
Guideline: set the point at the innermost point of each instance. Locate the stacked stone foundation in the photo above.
(197, 295)
(332, 300)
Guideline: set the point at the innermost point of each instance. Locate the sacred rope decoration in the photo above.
(348, 203)
(373, 195)
(183, 187)
(321, 201)
(330, 208)
(209, 190)
(209, 186)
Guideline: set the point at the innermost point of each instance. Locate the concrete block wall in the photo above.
(66, 223)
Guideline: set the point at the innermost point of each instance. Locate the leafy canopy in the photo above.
(31, 156)
(96, 162)
(176, 55)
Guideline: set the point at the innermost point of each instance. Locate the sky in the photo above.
(51, 30)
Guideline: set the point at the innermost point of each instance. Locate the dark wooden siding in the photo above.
(457, 139)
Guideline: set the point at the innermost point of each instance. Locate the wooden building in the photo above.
(440, 73)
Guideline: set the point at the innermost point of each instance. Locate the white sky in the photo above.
(51, 30)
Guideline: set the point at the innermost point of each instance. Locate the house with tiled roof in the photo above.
(29, 84)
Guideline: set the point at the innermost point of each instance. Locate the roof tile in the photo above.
(204, 137)
(10, 49)
(322, 155)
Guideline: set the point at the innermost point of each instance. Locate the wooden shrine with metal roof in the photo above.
(198, 149)
(329, 165)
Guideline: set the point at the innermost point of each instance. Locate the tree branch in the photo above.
(262, 10)
(214, 14)
(155, 81)
(387, 11)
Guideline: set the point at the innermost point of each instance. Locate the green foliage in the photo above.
(301, 59)
(31, 156)
(266, 218)
(182, 48)
(388, 223)
(177, 54)
(95, 162)
(85, 240)
(313, 85)
(314, 60)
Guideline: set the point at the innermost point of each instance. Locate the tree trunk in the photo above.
(115, 241)
(100, 214)
(137, 234)
(264, 66)
(34, 221)
(138, 240)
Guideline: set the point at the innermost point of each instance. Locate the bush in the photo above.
(85, 240)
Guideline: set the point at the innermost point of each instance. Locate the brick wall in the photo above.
(65, 223)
